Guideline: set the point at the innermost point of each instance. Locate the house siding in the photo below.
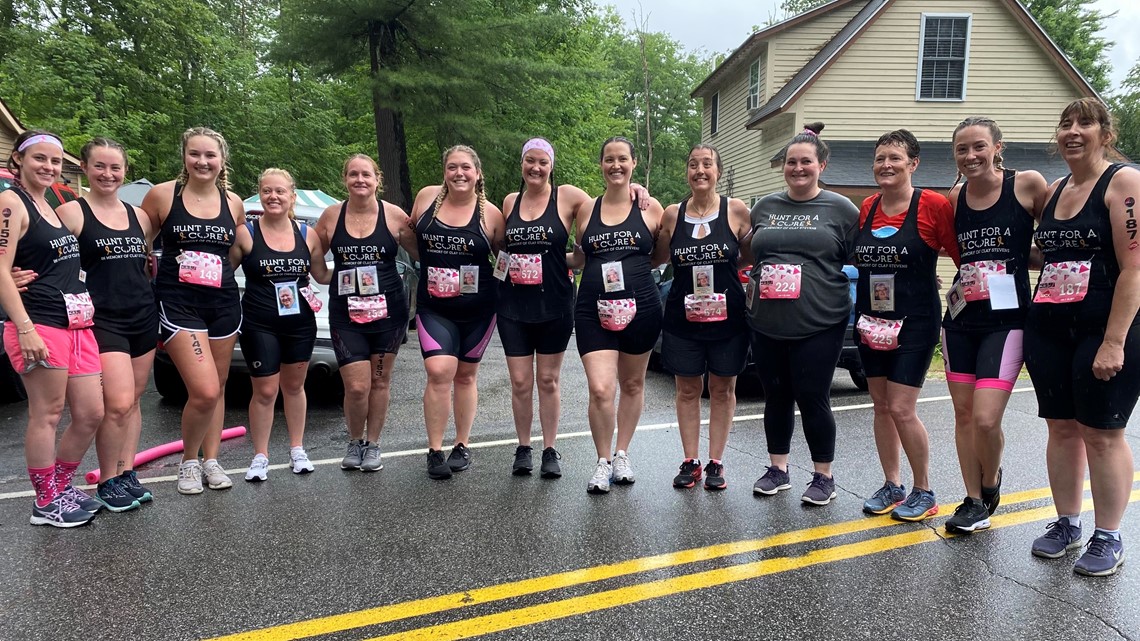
(792, 49)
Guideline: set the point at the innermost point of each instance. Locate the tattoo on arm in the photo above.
(1130, 224)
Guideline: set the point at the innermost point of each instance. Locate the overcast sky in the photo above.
(724, 24)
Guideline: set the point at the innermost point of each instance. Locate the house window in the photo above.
(944, 57)
(714, 119)
(753, 100)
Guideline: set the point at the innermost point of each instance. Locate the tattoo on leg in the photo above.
(197, 348)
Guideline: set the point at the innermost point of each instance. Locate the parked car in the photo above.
(11, 385)
(323, 365)
(749, 381)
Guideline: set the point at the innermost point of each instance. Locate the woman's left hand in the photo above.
(1109, 361)
(22, 278)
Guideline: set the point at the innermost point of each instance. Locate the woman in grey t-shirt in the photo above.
(798, 307)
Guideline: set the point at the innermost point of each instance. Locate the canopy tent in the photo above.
(133, 192)
(310, 203)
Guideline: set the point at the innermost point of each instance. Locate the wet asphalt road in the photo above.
(485, 554)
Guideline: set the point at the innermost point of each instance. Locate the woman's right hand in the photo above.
(22, 278)
(32, 347)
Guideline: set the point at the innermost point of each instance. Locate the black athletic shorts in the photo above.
(265, 352)
(465, 340)
(217, 322)
(637, 338)
(544, 337)
(136, 344)
(907, 364)
(351, 346)
(681, 356)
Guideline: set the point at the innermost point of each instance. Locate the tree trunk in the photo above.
(391, 145)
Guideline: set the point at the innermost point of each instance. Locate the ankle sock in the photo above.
(64, 471)
(1074, 519)
(43, 481)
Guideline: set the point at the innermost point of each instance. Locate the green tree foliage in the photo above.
(1125, 107)
(790, 8)
(1075, 27)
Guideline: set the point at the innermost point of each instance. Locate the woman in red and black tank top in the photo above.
(457, 233)
(199, 306)
(47, 335)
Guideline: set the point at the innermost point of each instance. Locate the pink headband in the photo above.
(37, 139)
(541, 145)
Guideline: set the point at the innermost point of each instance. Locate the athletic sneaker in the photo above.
(1060, 537)
(436, 465)
(460, 458)
(353, 456)
(82, 499)
(714, 476)
(300, 459)
(60, 512)
(258, 469)
(690, 473)
(523, 465)
(114, 496)
(918, 506)
(622, 470)
(371, 461)
(216, 478)
(600, 481)
(971, 515)
(885, 499)
(991, 496)
(821, 489)
(130, 482)
(190, 477)
(1103, 556)
(550, 467)
(773, 481)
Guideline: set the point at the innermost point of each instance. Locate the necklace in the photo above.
(693, 212)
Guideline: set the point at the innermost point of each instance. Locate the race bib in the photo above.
(526, 269)
(1066, 282)
(780, 281)
(200, 268)
(80, 311)
(616, 315)
(974, 278)
(365, 309)
(879, 334)
(706, 309)
(443, 282)
(310, 294)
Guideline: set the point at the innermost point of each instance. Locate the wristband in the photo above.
(28, 321)
(23, 332)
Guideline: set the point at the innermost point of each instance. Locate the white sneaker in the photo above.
(258, 469)
(600, 481)
(190, 477)
(623, 471)
(216, 477)
(301, 462)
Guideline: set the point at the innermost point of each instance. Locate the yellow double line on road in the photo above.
(524, 616)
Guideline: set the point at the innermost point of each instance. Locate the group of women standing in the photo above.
(482, 267)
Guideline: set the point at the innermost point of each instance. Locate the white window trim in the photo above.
(748, 102)
(714, 114)
(965, 69)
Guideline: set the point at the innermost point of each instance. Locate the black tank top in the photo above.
(545, 236)
(907, 257)
(720, 249)
(115, 261)
(629, 242)
(445, 247)
(378, 249)
(184, 232)
(1002, 232)
(264, 267)
(53, 254)
(1087, 236)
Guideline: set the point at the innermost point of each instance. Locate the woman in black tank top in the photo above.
(1082, 336)
(114, 243)
(363, 233)
(199, 208)
(994, 213)
(453, 214)
(277, 254)
(47, 335)
(618, 242)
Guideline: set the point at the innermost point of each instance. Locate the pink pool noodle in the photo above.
(146, 456)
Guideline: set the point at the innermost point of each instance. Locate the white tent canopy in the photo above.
(310, 203)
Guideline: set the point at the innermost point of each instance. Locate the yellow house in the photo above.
(865, 67)
(10, 128)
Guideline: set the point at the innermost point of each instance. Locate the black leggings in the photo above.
(799, 372)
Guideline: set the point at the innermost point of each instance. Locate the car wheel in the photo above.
(168, 382)
(859, 377)
(11, 385)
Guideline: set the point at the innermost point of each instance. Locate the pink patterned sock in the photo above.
(64, 471)
(43, 480)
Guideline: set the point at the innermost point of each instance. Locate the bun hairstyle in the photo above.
(193, 132)
(809, 135)
(902, 138)
(995, 135)
(14, 166)
(375, 168)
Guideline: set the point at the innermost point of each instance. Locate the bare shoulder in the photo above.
(573, 195)
(11, 204)
(952, 196)
(392, 210)
(509, 201)
(737, 207)
(71, 215)
(424, 198)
